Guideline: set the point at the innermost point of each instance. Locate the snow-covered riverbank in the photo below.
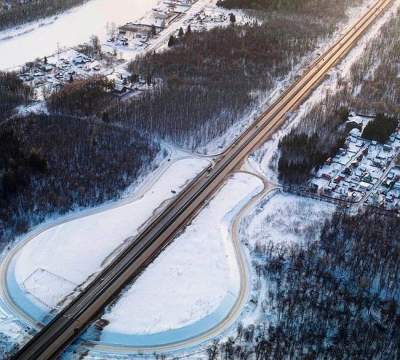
(45, 37)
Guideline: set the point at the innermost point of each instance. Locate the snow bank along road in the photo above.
(70, 322)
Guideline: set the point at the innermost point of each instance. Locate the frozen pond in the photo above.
(17, 46)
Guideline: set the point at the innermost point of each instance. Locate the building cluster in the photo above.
(363, 171)
(53, 72)
(137, 35)
(207, 18)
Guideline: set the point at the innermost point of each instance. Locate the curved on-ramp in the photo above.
(226, 321)
(193, 334)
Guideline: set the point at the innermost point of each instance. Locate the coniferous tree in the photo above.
(171, 41)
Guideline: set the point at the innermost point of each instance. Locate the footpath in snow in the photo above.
(193, 285)
(50, 265)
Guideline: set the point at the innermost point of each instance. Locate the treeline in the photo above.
(380, 128)
(21, 12)
(82, 97)
(306, 147)
(311, 7)
(17, 164)
(52, 164)
(375, 75)
(373, 88)
(13, 92)
(211, 80)
(336, 298)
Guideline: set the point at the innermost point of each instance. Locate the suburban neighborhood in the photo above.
(363, 171)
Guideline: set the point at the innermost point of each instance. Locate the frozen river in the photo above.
(17, 46)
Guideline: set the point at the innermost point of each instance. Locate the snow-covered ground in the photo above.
(49, 272)
(74, 27)
(285, 219)
(49, 265)
(190, 281)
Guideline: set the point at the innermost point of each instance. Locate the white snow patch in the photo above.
(190, 279)
(38, 107)
(47, 287)
(285, 219)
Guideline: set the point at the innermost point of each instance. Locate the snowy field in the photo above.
(52, 263)
(194, 275)
(74, 27)
(285, 219)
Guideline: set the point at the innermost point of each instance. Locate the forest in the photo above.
(336, 298)
(55, 163)
(309, 7)
(19, 12)
(13, 92)
(380, 128)
(372, 89)
(208, 81)
(302, 151)
(82, 97)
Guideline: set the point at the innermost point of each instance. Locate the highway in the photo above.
(75, 318)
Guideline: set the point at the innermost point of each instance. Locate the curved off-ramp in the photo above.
(96, 347)
(6, 262)
(226, 314)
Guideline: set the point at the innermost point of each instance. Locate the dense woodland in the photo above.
(380, 128)
(82, 97)
(336, 298)
(17, 12)
(13, 92)
(211, 80)
(309, 7)
(373, 88)
(309, 145)
(52, 164)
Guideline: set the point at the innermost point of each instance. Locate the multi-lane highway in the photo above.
(74, 319)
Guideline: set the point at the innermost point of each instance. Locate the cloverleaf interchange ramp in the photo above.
(75, 318)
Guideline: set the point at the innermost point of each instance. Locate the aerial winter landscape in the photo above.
(200, 179)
